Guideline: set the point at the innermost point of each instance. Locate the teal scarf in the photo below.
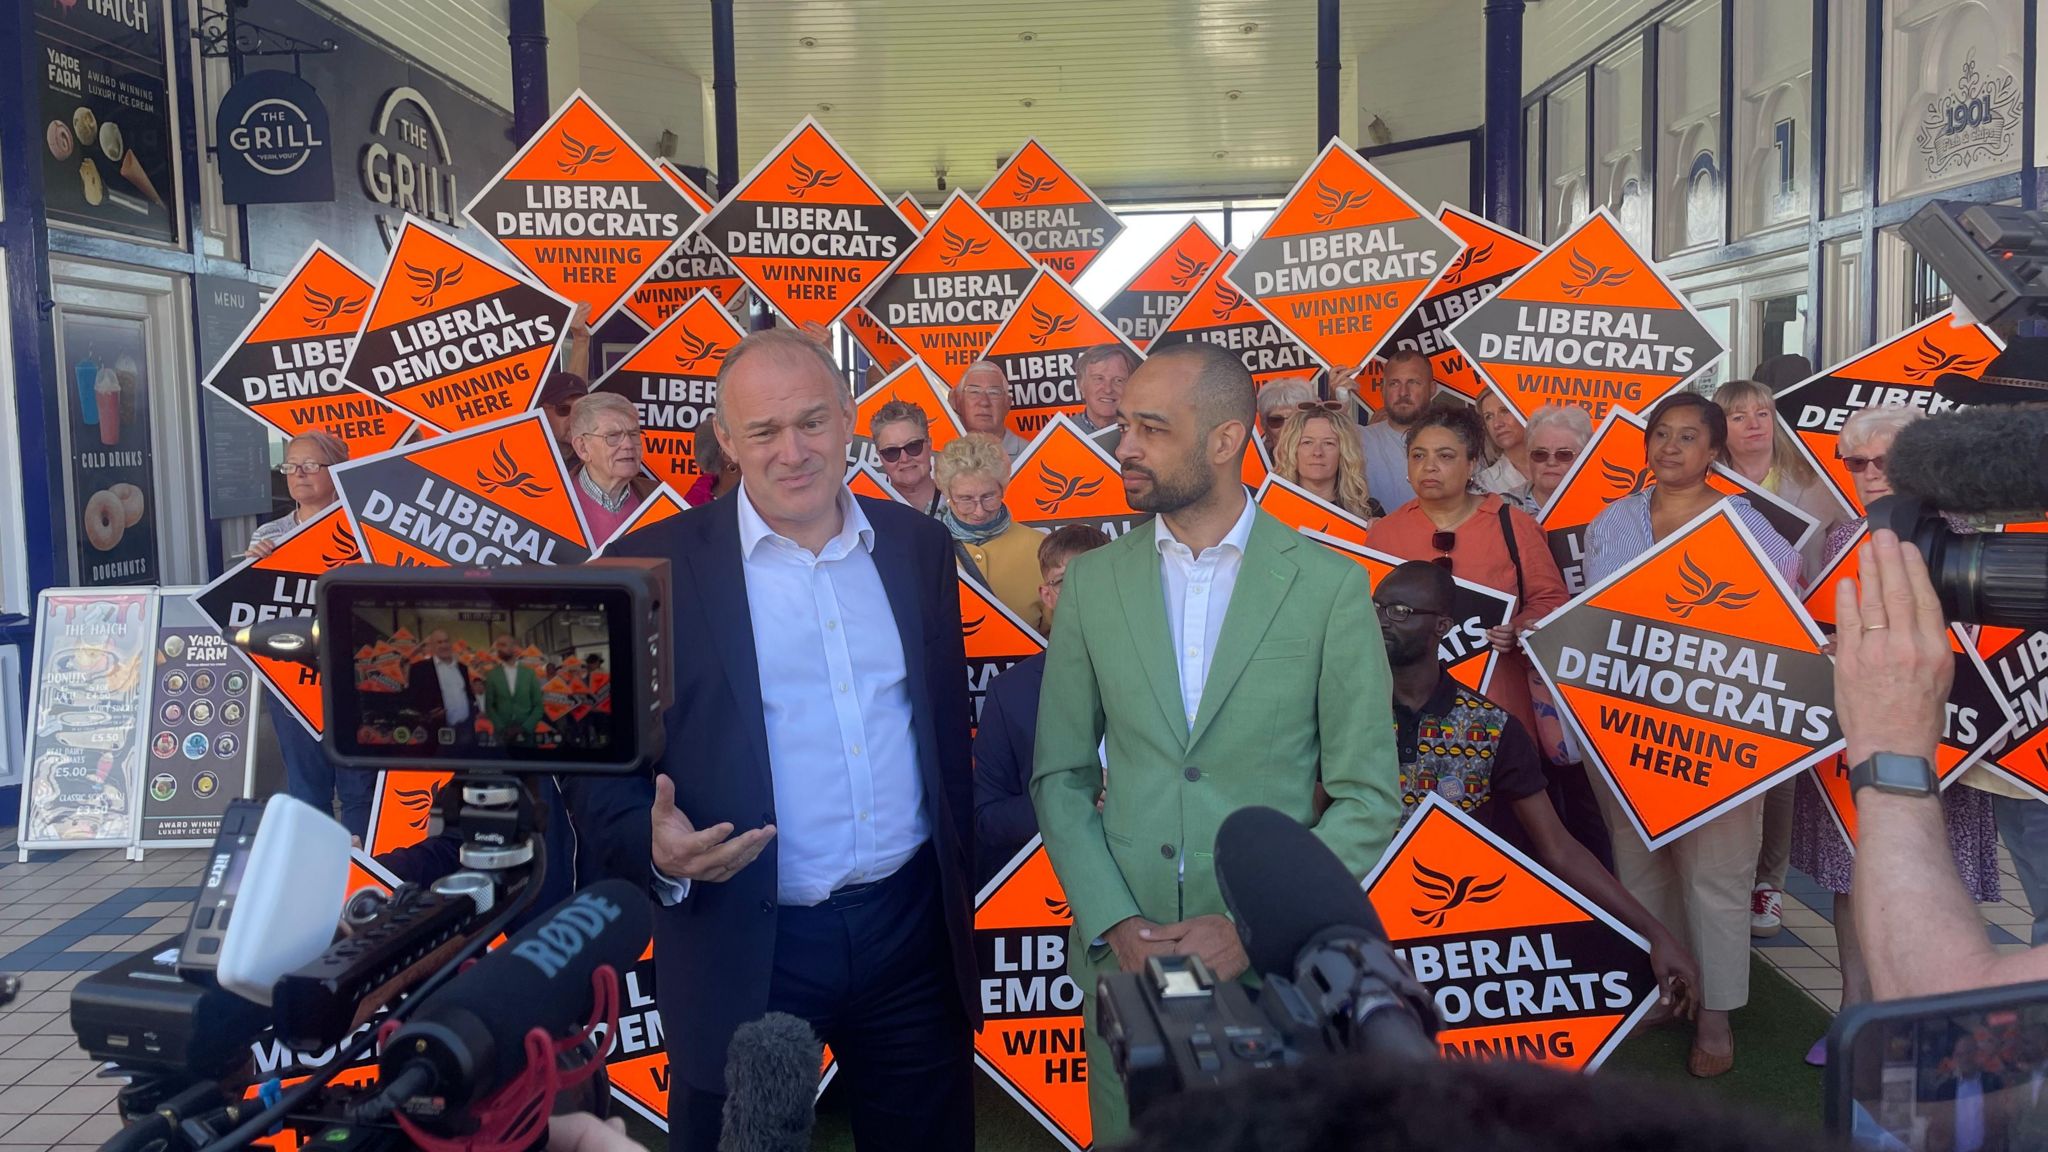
(971, 534)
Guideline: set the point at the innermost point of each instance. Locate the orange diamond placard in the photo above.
(808, 230)
(453, 339)
(908, 207)
(671, 378)
(1032, 1041)
(1053, 215)
(885, 350)
(1217, 313)
(1300, 509)
(1147, 300)
(2018, 661)
(1257, 465)
(285, 369)
(401, 807)
(862, 480)
(1692, 677)
(1474, 608)
(689, 266)
(1036, 348)
(996, 638)
(953, 289)
(1344, 258)
(1064, 477)
(583, 209)
(660, 504)
(1448, 890)
(911, 384)
(281, 584)
(487, 498)
(1933, 366)
(1590, 322)
(1489, 255)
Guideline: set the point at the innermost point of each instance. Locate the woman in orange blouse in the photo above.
(1469, 533)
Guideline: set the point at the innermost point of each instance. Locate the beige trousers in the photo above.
(1776, 854)
(1698, 887)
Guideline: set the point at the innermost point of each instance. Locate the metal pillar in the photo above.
(725, 96)
(529, 41)
(1503, 183)
(1328, 67)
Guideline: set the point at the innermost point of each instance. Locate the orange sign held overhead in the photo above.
(1933, 366)
(583, 209)
(689, 266)
(1566, 982)
(911, 384)
(671, 378)
(285, 369)
(1217, 313)
(1149, 299)
(1299, 509)
(1489, 256)
(1053, 215)
(1474, 608)
(281, 584)
(1693, 677)
(1064, 477)
(1037, 348)
(885, 350)
(1344, 259)
(400, 810)
(953, 289)
(996, 638)
(913, 213)
(808, 230)
(1031, 1040)
(488, 498)
(453, 339)
(660, 504)
(1591, 322)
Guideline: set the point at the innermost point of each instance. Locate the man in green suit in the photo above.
(1226, 661)
(511, 696)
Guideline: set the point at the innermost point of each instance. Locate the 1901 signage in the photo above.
(273, 137)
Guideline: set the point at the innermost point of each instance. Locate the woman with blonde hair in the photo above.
(1316, 451)
(972, 473)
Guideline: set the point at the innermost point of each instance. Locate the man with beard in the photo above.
(511, 695)
(1223, 660)
(1405, 389)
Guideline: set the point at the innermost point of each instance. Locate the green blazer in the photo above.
(512, 713)
(1298, 690)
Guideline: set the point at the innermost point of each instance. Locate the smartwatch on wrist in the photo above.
(1894, 773)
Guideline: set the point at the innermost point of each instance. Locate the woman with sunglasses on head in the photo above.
(1556, 435)
(1699, 885)
(1478, 536)
(1277, 401)
(1000, 553)
(1508, 446)
(1317, 450)
(902, 434)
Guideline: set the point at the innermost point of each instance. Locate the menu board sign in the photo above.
(89, 692)
(201, 725)
(107, 143)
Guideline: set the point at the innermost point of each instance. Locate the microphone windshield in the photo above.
(771, 1083)
(1283, 885)
(1990, 458)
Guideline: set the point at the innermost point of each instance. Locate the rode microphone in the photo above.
(293, 638)
(470, 1039)
(771, 1084)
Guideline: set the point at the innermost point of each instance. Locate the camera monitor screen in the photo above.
(536, 678)
(1959, 1071)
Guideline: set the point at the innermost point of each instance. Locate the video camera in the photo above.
(472, 1056)
(1330, 981)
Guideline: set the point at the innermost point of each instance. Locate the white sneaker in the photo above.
(1765, 903)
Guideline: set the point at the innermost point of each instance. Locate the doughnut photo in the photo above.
(111, 145)
(85, 126)
(58, 136)
(132, 506)
(89, 177)
(104, 521)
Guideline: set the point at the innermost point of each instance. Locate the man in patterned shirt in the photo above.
(1465, 748)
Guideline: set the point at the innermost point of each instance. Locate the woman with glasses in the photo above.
(1002, 554)
(902, 433)
(1478, 536)
(307, 774)
(1556, 435)
(1509, 471)
(604, 431)
(1701, 881)
(1317, 451)
(1972, 805)
(1277, 401)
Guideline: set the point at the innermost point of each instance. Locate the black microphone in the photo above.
(468, 1040)
(771, 1085)
(293, 638)
(1948, 462)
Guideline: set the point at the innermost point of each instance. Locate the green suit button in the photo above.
(1166, 850)
(1191, 772)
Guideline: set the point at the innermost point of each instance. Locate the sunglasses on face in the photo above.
(1857, 464)
(1546, 455)
(911, 448)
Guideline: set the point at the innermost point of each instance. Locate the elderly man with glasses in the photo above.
(902, 434)
(982, 400)
(604, 430)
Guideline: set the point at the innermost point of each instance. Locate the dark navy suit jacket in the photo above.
(1004, 820)
(714, 952)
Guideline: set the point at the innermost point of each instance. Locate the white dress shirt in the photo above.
(1198, 592)
(1969, 1134)
(454, 690)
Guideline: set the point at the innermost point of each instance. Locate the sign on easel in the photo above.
(89, 691)
(201, 727)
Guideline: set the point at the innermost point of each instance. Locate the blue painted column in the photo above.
(1328, 68)
(529, 41)
(1503, 163)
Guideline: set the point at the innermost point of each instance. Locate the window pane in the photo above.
(1564, 150)
(1689, 159)
(1618, 142)
(1841, 269)
(1774, 102)
(1532, 171)
(1848, 34)
(1952, 97)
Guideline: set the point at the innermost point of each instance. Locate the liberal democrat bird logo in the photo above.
(431, 283)
(1930, 361)
(1455, 274)
(1058, 908)
(1628, 481)
(1336, 203)
(1185, 269)
(1704, 590)
(1586, 275)
(1062, 488)
(960, 247)
(696, 349)
(418, 805)
(970, 627)
(576, 154)
(506, 473)
(341, 548)
(1450, 894)
(325, 309)
(1046, 325)
(808, 178)
(1029, 185)
(1228, 300)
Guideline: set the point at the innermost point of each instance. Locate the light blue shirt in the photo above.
(1386, 464)
(849, 805)
(1622, 532)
